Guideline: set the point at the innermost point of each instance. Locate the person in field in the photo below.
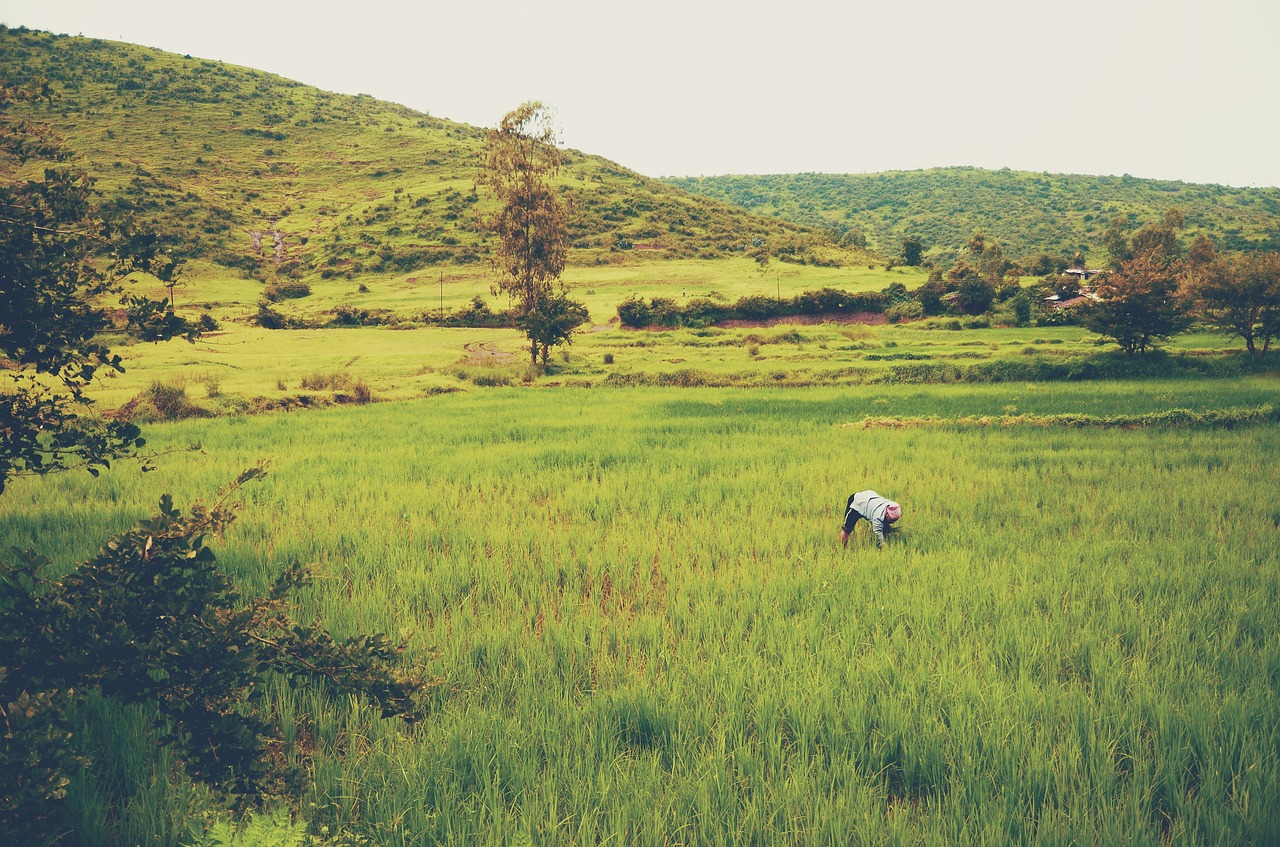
(881, 512)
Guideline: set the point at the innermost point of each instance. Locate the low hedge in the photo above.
(700, 311)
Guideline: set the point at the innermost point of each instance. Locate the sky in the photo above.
(1165, 89)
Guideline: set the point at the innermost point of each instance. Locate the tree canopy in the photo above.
(1239, 295)
(520, 160)
(61, 264)
(1138, 304)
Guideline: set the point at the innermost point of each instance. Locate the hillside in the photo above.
(1029, 213)
(270, 176)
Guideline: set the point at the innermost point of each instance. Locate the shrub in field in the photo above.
(162, 402)
(269, 318)
(664, 311)
(908, 310)
(475, 314)
(286, 290)
(757, 307)
(332, 381)
(152, 619)
(635, 312)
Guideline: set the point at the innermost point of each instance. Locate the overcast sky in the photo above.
(1170, 89)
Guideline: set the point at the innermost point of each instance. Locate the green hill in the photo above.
(1029, 213)
(261, 173)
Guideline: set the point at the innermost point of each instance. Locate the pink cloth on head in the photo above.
(893, 511)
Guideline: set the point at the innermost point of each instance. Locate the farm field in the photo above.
(242, 366)
(646, 633)
(600, 287)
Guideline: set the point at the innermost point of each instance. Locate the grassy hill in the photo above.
(1028, 213)
(273, 177)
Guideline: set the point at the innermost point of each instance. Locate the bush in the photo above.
(665, 311)
(287, 290)
(634, 312)
(757, 307)
(269, 318)
(906, 311)
(152, 619)
(162, 402)
(1021, 304)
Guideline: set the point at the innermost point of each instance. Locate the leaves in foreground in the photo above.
(153, 619)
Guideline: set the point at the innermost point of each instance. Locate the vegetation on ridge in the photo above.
(279, 179)
(1028, 213)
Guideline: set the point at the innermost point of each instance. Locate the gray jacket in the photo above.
(870, 505)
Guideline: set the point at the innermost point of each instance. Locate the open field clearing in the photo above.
(646, 632)
(600, 287)
(242, 366)
(239, 367)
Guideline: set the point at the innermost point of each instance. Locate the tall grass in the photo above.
(647, 632)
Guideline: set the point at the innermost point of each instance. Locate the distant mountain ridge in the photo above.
(265, 174)
(1027, 212)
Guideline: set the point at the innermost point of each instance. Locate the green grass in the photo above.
(647, 632)
(208, 154)
(241, 366)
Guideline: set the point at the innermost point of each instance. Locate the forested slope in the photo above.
(1029, 213)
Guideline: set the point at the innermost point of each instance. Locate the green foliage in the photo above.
(1029, 213)
(269, 318)
(152, 619)
(162, 402)
(912, 250)
(552, 321)
(698, 311)
(59, 261)
(974, 295)
(289, 290)
(1137, 306)
(1239, 295)
(394, 202)
(1021, 304)
(531, 225)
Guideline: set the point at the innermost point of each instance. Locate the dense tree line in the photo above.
(1032, 214)
(1153, 288)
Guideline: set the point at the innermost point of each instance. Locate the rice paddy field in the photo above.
(646, 632)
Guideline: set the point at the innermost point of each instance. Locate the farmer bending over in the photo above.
(880, 511)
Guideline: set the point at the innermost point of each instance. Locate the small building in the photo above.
(1083, 274)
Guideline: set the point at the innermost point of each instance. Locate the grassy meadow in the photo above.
(623, 568)
(243, 367)
(645, 631)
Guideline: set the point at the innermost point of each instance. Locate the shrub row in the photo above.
(1209, 419)
(700, 311)
(1021, 369)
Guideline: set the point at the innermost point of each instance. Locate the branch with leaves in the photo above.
(153, 619)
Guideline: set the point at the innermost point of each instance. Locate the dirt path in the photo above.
(485, 353)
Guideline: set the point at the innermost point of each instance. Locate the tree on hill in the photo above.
(1137, 305)
(912, 251)
(1159, 238)
(520, 159)
(1239, 295)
